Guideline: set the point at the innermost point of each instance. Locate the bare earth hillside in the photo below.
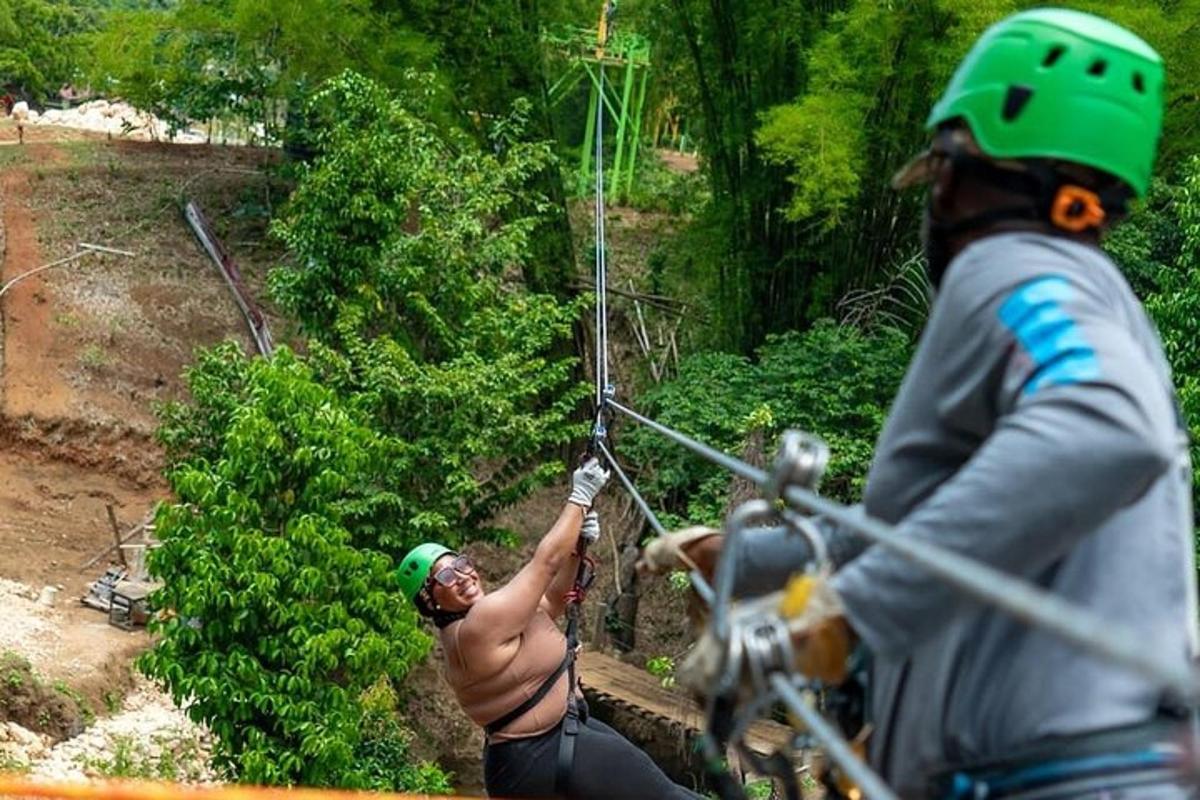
(88, 348)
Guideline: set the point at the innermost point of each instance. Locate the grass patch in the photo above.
(27, 700)
(166, 760)
(93, 357)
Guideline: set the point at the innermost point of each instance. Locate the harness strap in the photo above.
(570, 725)
(567, 664)
(566, 740)
(1070, 777)
(1107, 759)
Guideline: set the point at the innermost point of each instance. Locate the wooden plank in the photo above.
(628, 685)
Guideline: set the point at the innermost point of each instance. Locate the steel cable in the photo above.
(838, 749)
(1027, 603)
(702, 586)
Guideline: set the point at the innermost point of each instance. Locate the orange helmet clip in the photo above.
(1076, 209)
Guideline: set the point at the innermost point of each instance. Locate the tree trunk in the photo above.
(623, 601)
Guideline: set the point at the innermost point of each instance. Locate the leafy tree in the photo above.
(830, 380)
(37, 50)
(248, 60)
(276, 560)
(409, 241)
(806, 109)
(427, 393)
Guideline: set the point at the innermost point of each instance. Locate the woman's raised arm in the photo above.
(503, 614)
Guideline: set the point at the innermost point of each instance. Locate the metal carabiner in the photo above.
(820, 562)
(742, 517)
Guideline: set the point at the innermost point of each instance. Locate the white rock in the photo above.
(47, 596)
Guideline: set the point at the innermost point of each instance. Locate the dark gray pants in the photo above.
(607, 766)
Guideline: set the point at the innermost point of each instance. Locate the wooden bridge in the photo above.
(615, 689)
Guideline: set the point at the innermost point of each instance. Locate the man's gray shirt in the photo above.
(1036, 431)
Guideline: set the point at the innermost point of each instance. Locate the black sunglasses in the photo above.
(448, 575)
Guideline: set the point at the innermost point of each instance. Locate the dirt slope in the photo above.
(87, 349)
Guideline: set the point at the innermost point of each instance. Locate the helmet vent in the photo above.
(1097, 68)
(1053, 55)
(1139, 83)
(1015, 101)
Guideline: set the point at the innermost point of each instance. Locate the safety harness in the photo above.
(1071, 766)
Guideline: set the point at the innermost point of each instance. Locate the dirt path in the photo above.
(32, 382)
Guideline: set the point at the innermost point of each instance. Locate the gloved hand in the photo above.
(590, 530)
(668, 552)
(587, 482)
(821, 638)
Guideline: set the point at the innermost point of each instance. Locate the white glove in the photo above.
(587, 482)
(590, 530)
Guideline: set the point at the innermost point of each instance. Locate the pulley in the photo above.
(800, 461)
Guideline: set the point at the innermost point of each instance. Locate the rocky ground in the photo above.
(117, 119)
(147, 737)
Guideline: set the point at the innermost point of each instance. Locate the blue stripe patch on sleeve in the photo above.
(1061, 354)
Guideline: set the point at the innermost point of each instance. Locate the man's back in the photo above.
(1038, 367)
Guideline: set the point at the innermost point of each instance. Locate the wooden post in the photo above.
(116, 529)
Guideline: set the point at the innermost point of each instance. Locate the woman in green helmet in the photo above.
(1037, 432)
(506, 661)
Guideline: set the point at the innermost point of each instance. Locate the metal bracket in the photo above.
(800, 461)
(767, 648)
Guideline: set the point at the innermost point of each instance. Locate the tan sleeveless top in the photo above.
(487, 697)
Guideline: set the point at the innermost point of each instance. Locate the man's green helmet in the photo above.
(1053, 83)
(414, 569)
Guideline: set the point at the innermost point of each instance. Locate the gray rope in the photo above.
(638, 500)
(1027, 603)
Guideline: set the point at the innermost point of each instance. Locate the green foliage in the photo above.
(656, 187)
(245, 59)
(384, 749)
(663, 668)
(430, 387)
(37, 48)
(85, 708)
(412, 242)
(822, 141)
(763, 789)
(168, 760)
(1157, 250)
(833, 381)
(804, 111)
(277, 570)
(1176, 306)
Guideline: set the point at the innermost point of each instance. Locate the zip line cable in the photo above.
(702, 586)
(1027, 603)
(837, 748)
(601, 256)
(638, 500)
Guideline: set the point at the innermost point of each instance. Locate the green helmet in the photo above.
(414, 569)
(1053, 83)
